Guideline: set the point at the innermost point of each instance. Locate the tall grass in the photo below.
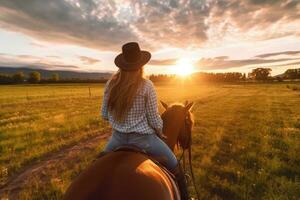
(50, 118)
(246, 139)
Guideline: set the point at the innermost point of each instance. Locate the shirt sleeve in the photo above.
(152, 113)
(104, 110)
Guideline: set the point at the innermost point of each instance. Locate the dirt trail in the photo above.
(64, 157)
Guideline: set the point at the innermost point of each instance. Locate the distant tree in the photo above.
(55, 77)
(34, 77)
(244, 77)
(18, 77)
(250, 75)
(292, 74)
(261, 73)
(161, 78)
(5, 79)
(279, 79)
(218, 77)
(231, 76)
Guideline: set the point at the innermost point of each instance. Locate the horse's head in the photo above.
(178, 124)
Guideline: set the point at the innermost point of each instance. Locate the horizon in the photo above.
(183, 36)
(182, 76)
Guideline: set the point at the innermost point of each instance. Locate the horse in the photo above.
(130, 175)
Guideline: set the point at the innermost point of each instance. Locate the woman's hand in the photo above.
(161, 135)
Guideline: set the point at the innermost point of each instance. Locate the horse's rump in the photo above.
(122, 175)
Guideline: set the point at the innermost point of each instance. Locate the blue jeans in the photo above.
(151, 144)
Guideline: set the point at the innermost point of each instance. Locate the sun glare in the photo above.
(183, 67)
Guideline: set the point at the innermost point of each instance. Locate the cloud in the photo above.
(28, 57)
(172, 23)
(35, 44)
(39, 66)
(225, 63)
(289, 64)
(255, 19)
(171, 61)
(278, 53)
(58, 57)
(88, 60)
(53, 66)
(81, 22)
(107, 24)
(32, 62)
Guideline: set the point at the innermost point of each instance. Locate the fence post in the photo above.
(27, 97)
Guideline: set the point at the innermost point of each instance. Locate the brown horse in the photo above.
(130, 175)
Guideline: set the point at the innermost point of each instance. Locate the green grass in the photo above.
(246, 139)
(36, 120)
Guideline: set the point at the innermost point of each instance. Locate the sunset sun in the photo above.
(183, 67)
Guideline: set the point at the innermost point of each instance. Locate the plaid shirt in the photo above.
(143, 117)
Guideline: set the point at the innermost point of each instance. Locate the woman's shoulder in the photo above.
(148, 83)
(146, 86)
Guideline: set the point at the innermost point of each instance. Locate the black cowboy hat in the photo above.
(132, 58)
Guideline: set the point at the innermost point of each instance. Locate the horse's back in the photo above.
(121, 175)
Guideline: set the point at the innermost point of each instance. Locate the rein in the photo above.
(182, 158)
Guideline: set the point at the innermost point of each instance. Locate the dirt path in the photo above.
(64, 157)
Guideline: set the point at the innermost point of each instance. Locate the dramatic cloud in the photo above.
(225, 63)
(278, 53)
(107, 24)
(32, 62)
(254, 19)
(171, 61)
(293, 64)
(83, 22)
(34, 44)
(88, 60)
(172, 23)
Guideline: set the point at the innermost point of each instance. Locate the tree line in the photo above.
(20, 77)
(36, 77)
(292, 74)
(258, 74)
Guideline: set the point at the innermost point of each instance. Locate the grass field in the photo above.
(246, 139)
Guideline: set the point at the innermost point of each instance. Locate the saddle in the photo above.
(171, 177)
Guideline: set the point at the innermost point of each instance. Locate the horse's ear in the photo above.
(189, 106)
(164, 105)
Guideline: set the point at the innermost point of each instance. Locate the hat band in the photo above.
(139, 59)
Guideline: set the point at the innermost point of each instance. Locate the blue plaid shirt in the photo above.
(143, 117)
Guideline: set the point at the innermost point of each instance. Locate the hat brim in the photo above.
(132, 66)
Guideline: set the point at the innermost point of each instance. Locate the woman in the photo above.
(130, 106)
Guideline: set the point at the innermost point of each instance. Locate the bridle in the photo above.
(186, 131)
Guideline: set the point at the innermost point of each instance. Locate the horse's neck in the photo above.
(171, 130)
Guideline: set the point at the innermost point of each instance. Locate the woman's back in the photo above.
(142, 117)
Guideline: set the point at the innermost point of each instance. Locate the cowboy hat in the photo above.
(132, 58)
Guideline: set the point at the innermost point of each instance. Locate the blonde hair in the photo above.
(122, 89)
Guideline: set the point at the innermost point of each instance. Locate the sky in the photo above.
(197, 35)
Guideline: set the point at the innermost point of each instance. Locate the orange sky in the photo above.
(183, 35)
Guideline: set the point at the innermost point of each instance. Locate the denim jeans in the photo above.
(150, 143)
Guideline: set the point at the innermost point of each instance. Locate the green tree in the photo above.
(34, 77)
(261, 73)
(55, 77)
(18, 77)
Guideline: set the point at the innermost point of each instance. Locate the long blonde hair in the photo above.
(122, 89)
